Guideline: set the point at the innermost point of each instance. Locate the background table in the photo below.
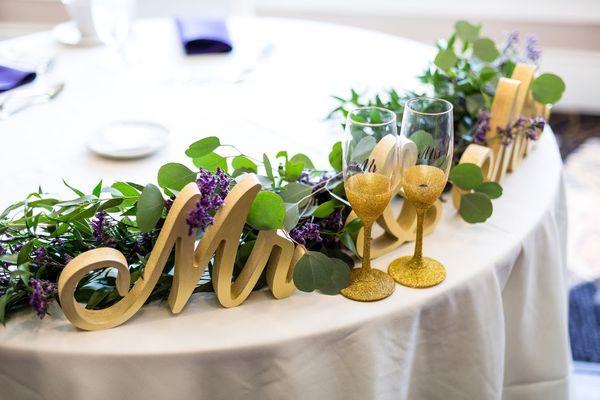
(496, 328)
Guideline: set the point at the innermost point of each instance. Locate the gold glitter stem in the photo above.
(418, 256)
(366, 261)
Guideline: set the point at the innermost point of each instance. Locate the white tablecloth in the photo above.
(495, 329)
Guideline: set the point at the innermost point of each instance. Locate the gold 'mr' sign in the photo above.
(272, 249)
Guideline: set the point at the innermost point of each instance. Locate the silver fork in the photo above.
(28, 98)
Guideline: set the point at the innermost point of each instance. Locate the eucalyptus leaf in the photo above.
(335, 156)
(466, 176)
(445, 59)
(475, 207)
(304, 159)
(267, 211)
(485, 49)
(240, 162)
(203, 147)
(466, 31)
(491, 189)
(211, 162)
(296, 192)
(422, 139)
(175, 176)
(363, 149)
(268, 167)
(149, 208)
(325, 209)
(292, 216)
(547, 88)
(316, 271)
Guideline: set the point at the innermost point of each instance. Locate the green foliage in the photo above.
(267, 211)
(316, 271)
(175, 176)
(547, 88)
(149, 208)
(466, 176)
(475, 207)
(203, 147)
(465, 72)
(211, 162)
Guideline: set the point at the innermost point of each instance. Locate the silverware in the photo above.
(26, 98)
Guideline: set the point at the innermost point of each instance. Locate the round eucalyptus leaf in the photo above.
(466, 176)
(547, 88)
(203, 146)
(309, 274)
(149, 208)
(467, 31)
(491, 189)
(445, 59)
(210, 162)
(485, 49)
(338, 276)
(325, 209)
(267, 211)
(475, 207)
(422, 139)
(175, 176)
(304, 159)
(363, 149)
(240, 162)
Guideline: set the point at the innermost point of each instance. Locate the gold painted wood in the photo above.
(482, 157)
(272, 250)
(501, 115)
(525, 74)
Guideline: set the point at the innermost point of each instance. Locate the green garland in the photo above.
(41, 234)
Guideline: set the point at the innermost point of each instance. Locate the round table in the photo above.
(495, 328)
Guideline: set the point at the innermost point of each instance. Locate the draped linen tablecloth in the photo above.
(496, 328)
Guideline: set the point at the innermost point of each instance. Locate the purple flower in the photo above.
(98, 224)
(512, 40)
(213, 190)
(481, 128)
(506, 134)
(532, 49)
(534, 127)
(38, 298)
(307, 232)
(40, 256)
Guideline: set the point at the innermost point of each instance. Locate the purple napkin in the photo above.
(11, 78)
(203, 36)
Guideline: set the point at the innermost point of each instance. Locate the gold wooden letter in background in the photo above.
(501, 115)
(523, 73)
(220, 239)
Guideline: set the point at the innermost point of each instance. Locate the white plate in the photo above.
(68, 34)
(128, 139)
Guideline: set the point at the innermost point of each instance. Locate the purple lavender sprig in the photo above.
(305, 233)
(533, 51)
(39, 297)
(482, 126)
(213, 190)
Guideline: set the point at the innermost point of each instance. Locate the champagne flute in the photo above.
(427, 122)
(369, 183)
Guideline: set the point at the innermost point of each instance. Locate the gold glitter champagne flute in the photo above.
(369, 184)
(427, 122)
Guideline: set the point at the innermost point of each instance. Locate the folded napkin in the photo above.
(203, 36)
(11, 78)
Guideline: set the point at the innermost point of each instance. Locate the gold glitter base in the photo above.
(368, 285)
(408, 272)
